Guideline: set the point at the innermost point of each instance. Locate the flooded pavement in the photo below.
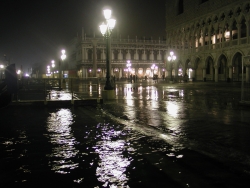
(151, 135)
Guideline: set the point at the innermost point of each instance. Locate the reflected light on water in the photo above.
(181, 93)
(154, 94)
(59, 95)
(140, 89)
(148, 91)
(172, 108)
(58, 126)
(112, 165)
(128, 92)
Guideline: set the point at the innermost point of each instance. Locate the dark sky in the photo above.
(35, 31)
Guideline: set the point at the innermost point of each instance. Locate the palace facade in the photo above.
(210, 39)
(141, 57)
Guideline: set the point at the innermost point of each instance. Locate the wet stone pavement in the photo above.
(151, 135)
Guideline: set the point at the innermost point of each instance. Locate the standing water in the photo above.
(151, 135)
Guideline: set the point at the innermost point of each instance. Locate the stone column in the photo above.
(193, 74)
(197, 40)
(215, 36)
(209, 38)
(204, 73)
(223, 37)
(169, 74)
(230, 72)
(231, 35)
(84, 72)
(94, 58)
(203, 39)
(120, 72)
(248, 31)
(176, 73)
(216, 73)
(247, 74)
(239, 33)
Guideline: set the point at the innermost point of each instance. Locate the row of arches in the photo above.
(221, 69)
(229, 24)
(120, 54)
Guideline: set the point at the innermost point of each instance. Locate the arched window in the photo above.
(221, 68)
(208, 67)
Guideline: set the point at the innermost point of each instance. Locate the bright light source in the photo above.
(172, 57)
(63, 56)
(111, 23)
(53, 63)
(107, 13)
(103, 28)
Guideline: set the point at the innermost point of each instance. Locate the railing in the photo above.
(50, 89)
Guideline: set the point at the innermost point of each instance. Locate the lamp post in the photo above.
(154, 67)
(129, 70)
(106, 30)
(129, 66)
(48, 70)
(1, 71)
(53, 66)
(171, 59)
(19, 73)
(63, 56)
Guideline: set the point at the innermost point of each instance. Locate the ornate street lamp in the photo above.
(171, 59)
(106, 30)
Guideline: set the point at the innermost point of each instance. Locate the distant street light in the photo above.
(129, 70)
(171, 59)
(19, 73)
(48, 71)
(1, 71)
(153, 68)
(53, 66)
(63, 56)
(129, 66)
(106, 30)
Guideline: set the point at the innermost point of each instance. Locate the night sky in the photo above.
(35, 31)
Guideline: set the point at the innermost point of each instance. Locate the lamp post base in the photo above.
(108, 94)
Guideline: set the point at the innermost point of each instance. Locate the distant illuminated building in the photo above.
(88, 54)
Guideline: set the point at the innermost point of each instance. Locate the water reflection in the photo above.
(63, 141)
(112, 165)
(172, 108)
(59, 95)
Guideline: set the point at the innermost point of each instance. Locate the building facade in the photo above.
(210, 39)
(140, 57)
